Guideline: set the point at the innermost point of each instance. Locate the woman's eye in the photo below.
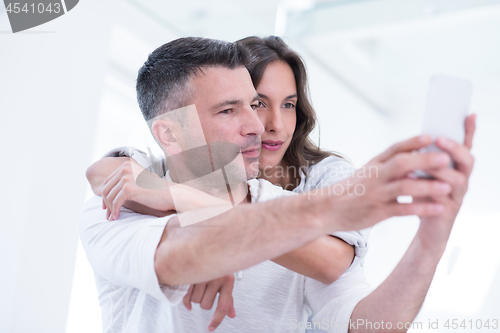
(226, 111)
(289, 105)
(256, 106)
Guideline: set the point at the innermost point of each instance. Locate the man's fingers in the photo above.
(399, 166)
(209, 295)
(199, 290)
(409, 145)
(224, 306)
(186, 300)
(417, 188)
(470, 129)
(221, 311)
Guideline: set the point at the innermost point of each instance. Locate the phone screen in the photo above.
(447, 106)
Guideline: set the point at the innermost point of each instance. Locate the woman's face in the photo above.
(276, 111)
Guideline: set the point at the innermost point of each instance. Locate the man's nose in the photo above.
(251, 123)
(274, 123)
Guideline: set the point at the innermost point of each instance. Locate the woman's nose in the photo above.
(274, 123)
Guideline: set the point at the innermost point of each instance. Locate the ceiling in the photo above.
(382, 51)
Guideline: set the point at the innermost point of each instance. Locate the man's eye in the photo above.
(226, 111)
(289, 105)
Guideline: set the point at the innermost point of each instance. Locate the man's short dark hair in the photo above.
(162, 80)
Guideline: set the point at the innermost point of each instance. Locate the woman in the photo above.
(280, 79)
(288, 159)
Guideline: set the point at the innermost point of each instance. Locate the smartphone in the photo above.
(447, 106)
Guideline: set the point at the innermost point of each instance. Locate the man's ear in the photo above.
(164, 131)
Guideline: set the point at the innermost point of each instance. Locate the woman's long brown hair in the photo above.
(302, 152)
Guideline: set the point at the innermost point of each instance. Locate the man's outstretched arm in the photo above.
(115, 179)
(250, 234)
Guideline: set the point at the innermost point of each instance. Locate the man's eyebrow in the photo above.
(234, 102)
(288, 97)
(230, 102)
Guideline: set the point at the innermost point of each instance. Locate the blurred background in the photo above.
(67, 96)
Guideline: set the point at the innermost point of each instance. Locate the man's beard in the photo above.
(202, 166)
(251, 163)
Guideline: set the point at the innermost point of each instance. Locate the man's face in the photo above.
(225, 100)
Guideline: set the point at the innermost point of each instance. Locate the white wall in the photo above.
(50, 86)
(53, 83)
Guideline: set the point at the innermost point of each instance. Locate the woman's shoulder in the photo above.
(331, 166)
(330, 170)
(150, 162)
(329, 161)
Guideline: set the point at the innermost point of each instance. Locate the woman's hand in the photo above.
(133, 187)
(132, 183)
(435, 231)
(205, 293)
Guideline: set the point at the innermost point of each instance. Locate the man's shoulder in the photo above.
(93, 217)
(92, 203)
(91, 211)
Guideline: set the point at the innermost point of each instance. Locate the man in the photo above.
(144, 265)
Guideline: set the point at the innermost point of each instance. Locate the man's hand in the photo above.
(205, 293)
(435, 231)
(370, 194)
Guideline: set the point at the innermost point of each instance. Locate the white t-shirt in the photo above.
(329, 171)
(267, 297)
(330, 305)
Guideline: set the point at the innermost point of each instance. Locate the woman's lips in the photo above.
(271, 145)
